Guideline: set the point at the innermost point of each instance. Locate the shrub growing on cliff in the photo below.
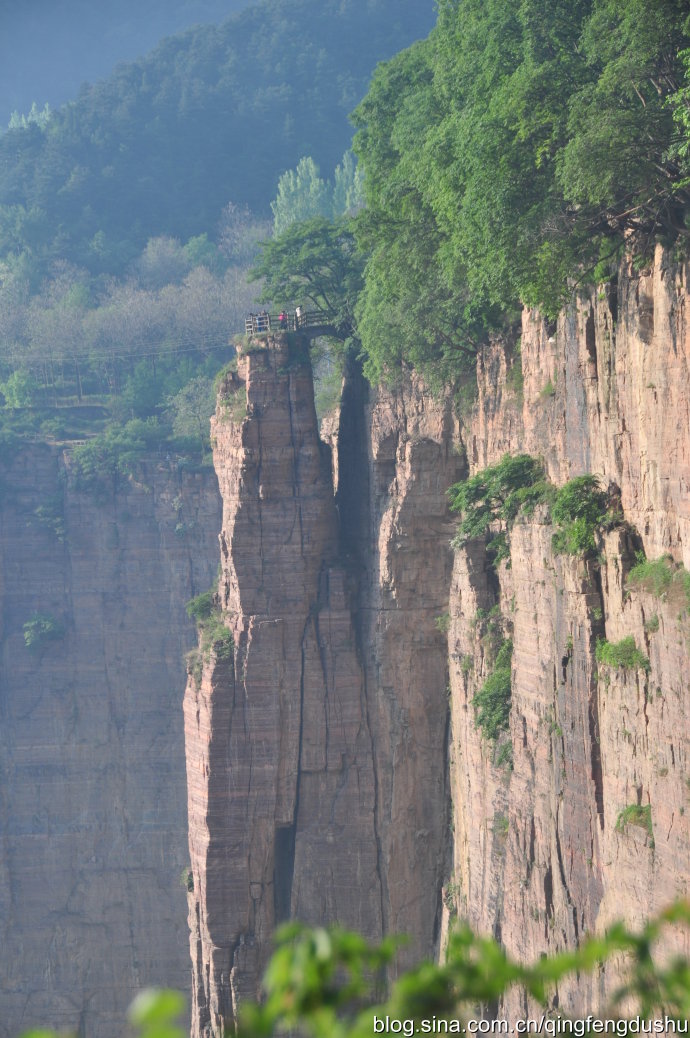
(201, 607)
(517, 485)
(213, 634)
(51, 514)
(663, 578)
(492, 701)
(195, 667)
(187, 879)
(654, 576)
(579, 508)
(636, 814)
(496, 495)
(621, 654)
(40, 629)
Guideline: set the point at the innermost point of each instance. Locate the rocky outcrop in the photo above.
(588, 823)
(92, 800)
(400, 475)
(606, 389)
(336, 769)
(316, 755)
(279, 748)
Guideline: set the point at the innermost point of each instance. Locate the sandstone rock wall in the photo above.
(407, 464)
(92, 797)
(279, 747)
(336, 771)
(541, 856)
(317, 757)
(605, 390)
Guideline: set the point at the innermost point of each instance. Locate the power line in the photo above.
(167, 347)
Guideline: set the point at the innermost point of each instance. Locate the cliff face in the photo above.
(606, 391)
(315, 756)
(405, 564)
(336, 770)
(279, 756)
(541, 853)
(92, 800)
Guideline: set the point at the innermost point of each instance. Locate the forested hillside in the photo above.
(213, 115)
(48, 50)
(129, 217)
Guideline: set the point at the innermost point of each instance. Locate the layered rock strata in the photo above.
(542, 851)
(400, 477)
(316, 757)
(576, 814)
(92, 797)
(279, 750)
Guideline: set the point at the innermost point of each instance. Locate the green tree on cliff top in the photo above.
(511, 156)
(314, 264)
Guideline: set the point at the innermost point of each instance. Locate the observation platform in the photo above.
(311, 323)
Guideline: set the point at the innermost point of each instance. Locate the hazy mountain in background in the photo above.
(212, 115)
(48, 50)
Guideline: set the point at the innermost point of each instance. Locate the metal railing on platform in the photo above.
(287, 321)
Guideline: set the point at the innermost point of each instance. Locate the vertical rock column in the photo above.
(279, 756)
(396, 461)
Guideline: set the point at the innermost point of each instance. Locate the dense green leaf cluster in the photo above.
(663, 578)
(492, 701)
(579, 508)
(498, 493)
(621, 654)
(214, 635)
(511, 155)
(315, 264)
(201, 606)
(303, 194)
(516, 484)
(636, 814)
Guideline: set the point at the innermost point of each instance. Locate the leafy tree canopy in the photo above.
(191, 409)
(302, 194)
(625, 161)
(314, 264)
(498, 493)
(510, 156)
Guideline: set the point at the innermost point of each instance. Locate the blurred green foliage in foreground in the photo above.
(330, 983)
